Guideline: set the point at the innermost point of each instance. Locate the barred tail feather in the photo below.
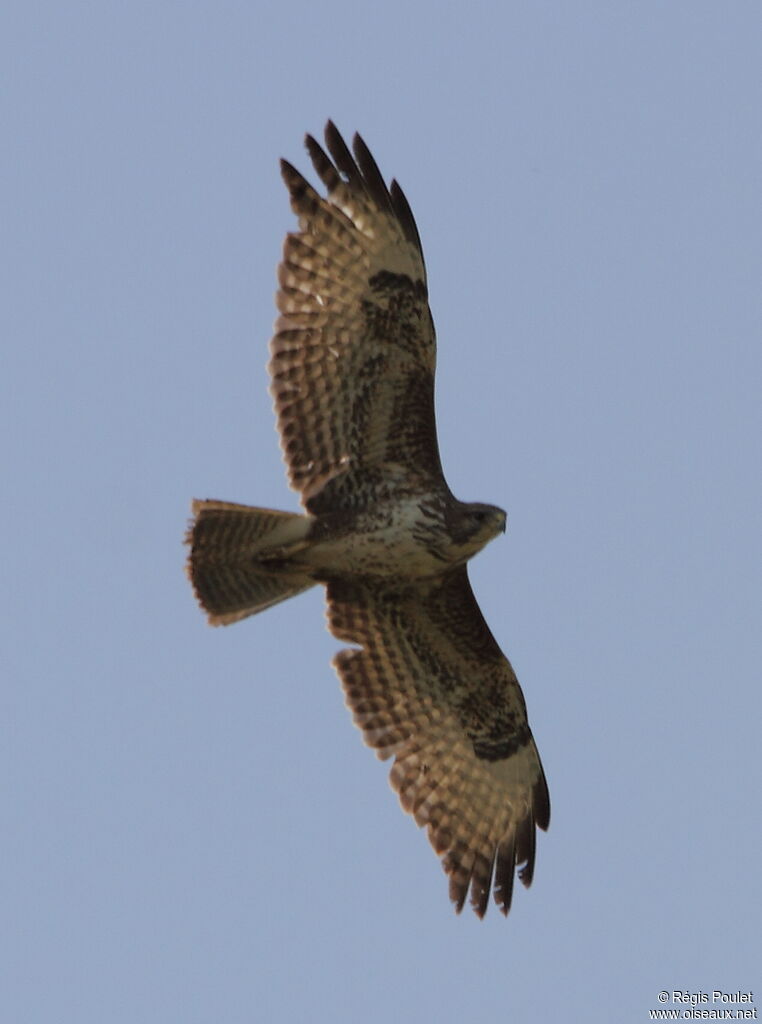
(239, 558)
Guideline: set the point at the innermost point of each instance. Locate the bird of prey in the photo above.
(352, 368)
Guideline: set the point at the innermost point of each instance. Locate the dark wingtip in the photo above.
(405, 214)
(361, 172)
(292, 179)
(372, 176)
(458, 892)
(329, 131)
(505, 866)
(342, 156)
(541, 802)
(479, 901)
(322, 164)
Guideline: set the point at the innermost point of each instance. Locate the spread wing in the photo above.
(430, 686)
(353, 353)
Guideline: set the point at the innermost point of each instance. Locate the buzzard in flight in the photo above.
(353, 384)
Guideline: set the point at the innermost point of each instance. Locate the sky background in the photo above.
(192, 829)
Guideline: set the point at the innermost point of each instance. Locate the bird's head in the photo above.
(478, 525)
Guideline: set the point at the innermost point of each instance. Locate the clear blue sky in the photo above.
(193, 831)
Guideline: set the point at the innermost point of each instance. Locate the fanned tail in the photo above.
(239, 558)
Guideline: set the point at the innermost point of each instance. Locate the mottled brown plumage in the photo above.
(352, 370)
